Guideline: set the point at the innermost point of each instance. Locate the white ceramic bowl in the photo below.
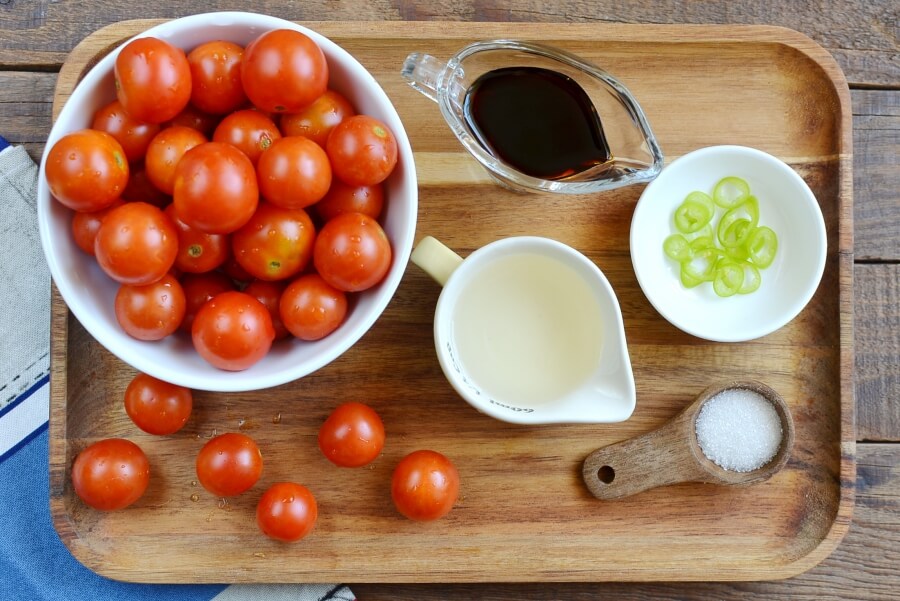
(89, 293)
(786, 204)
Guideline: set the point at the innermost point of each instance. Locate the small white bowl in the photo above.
(89, 293)
(786, 204)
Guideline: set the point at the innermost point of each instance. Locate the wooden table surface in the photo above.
(36, 35)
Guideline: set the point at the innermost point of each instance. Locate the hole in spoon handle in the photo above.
(655, 459)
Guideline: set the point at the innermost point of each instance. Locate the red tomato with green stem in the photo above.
(86, 170)
(229, 464)
(110, 474)
(362, 150)
(344, 198)
(318, 119)
(269, 294)
(216, 77)
(232, 331)
(215, 188)
(276, 243)
(165, 152)
(198, 252)
(251, 132)
(151, 311)
(311, 309)
(136, 244)
(286, 512)
(157, 407)
(86, 225)
(284, 71)
(352, 252)
(294, 173)
(352, 436)
(153, 79)
(133, 135)
(424, 486)
(200, 288)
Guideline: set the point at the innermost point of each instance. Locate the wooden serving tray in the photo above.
(523, 513)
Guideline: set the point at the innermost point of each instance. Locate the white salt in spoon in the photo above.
(673, 453)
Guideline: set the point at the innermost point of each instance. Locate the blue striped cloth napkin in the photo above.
(34, 563)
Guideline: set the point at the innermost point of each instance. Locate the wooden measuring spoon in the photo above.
(672, 454)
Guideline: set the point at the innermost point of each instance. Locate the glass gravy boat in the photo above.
(635, 156)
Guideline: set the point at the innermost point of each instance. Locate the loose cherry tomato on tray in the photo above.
(157, 407)
(136, 244)
(164, 153)
(294, 173)
(249, 131)
(318, 119)
(229, 464)
(87, 170)
(362, 150)
(111, 474)
(275, 244)
(151, 311)
(352, 252)
(216, 77)
(215, 188)
(424, 486)
(287, 512)
(232, 331)
(284, 71)
(352, 436)
(133, 135)
(311, 308)
(153, 79)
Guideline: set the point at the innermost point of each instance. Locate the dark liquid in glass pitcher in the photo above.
(536, 120)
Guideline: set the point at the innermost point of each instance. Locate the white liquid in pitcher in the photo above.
(527, 330)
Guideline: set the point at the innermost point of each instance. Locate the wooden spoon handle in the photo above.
(655, 459)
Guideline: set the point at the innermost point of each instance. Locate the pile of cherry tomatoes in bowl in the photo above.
(224, 197)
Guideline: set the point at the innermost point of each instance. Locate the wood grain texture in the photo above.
(863, 568)
(776, 529)
(878, 351)
(861, 35)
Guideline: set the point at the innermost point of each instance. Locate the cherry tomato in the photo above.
(136, 244)
(165, 152)
(352, 252)
(249, 131)
(194, 118)
(294, 173)
(198, 251)
(284, 71)
(352, 436)
(318, 119)
(133, 135)
(275, 244)
(87, 170)
(229, 464)
(153, 79)
(286, 512)
(344, 198)
(152, 311)
(141, 189)
(269, 294)
(216, 77)
(311, 309)
(235, 271)
(111, 474)
(233, 331)
(362, 150)
(157, 407)
(86, 225)
(199, 288)
(424, 486)
(215, 188)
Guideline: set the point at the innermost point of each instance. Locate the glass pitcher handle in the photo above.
(421, 71)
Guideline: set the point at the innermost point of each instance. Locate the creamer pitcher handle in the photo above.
(421, 71)
(435, 259)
